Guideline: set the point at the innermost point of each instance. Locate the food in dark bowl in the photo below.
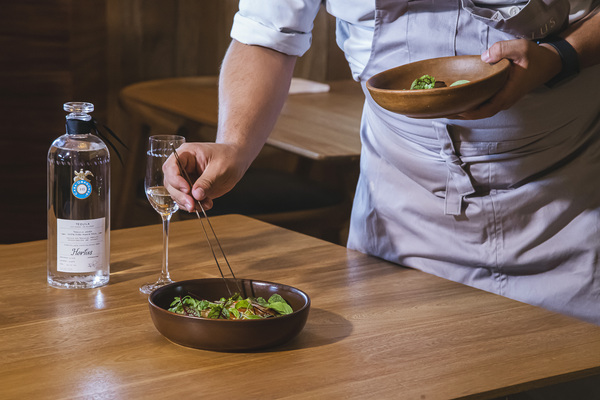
(233, 307)
(221, 334)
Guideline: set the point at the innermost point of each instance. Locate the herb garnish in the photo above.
(429, 82)
(424, 82)
(234, 307)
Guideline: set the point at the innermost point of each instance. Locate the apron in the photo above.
(509, 204)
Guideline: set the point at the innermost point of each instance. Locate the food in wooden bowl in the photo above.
(226, 333)
(391, 89)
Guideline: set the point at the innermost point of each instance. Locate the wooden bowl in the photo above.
(228, 335)
(391, 88)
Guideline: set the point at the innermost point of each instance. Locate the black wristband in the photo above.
(568, 57)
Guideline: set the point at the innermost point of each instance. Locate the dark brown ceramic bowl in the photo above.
(227, 335)
(391, 88)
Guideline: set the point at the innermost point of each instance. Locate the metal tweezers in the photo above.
(189, 181)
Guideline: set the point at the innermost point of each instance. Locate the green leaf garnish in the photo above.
(234, 307)
(424, 82)
(277, 303)
(460, 82)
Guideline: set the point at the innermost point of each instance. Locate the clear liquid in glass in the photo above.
(161, 200)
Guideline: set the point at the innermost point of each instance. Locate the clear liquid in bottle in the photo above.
(78, 205)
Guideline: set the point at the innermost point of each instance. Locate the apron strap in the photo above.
(458, 182)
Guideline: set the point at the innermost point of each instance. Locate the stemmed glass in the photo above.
(159, 149)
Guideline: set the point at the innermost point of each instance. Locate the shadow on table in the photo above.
(322, 328)
(123, 271)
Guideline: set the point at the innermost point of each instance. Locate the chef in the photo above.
(505, 197)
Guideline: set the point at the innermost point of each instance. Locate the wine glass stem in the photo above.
(164, 275)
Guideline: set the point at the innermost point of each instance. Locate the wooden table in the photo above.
(320, 130)
(314, 125)
(375, 330)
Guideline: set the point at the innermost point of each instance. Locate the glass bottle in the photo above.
(78, 204)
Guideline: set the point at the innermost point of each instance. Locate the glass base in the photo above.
(151, 287)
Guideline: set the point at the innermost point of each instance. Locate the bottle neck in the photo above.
(79, 127)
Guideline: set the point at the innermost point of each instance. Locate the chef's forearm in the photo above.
(253, 85)
(584, 36)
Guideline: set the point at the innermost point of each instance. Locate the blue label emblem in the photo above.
(82, 188)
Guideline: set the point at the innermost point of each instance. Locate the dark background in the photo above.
(54, 51)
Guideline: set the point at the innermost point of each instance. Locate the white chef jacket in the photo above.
(286, 25)
(506, 204)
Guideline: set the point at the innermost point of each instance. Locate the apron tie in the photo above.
(458, 182)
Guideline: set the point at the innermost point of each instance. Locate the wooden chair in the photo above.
(279, 188)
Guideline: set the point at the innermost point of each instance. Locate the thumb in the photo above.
(201, 188)
(493, 54)
(514, 50)
(211, 184)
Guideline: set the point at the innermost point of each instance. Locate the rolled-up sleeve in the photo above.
(282, 25)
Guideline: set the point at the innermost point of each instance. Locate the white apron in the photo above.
(508, 204)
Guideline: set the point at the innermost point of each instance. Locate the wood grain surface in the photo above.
(376, 330)
(314, 125)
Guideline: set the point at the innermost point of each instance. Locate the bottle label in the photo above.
(82, 188)
(80, 245)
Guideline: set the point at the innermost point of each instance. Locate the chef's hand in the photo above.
(214, 168)
(532, 65)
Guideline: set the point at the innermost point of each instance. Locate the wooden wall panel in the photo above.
(52, 51)
(153, 39)
(197, 43)
(55, 51)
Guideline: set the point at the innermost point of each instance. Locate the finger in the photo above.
(207, 204)
(494, 54)
(512, 89)
(177, 186)
(176, 182)
(185, 201)
(199, 195)
(513, 50)
(198, 191)
(212, 183)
